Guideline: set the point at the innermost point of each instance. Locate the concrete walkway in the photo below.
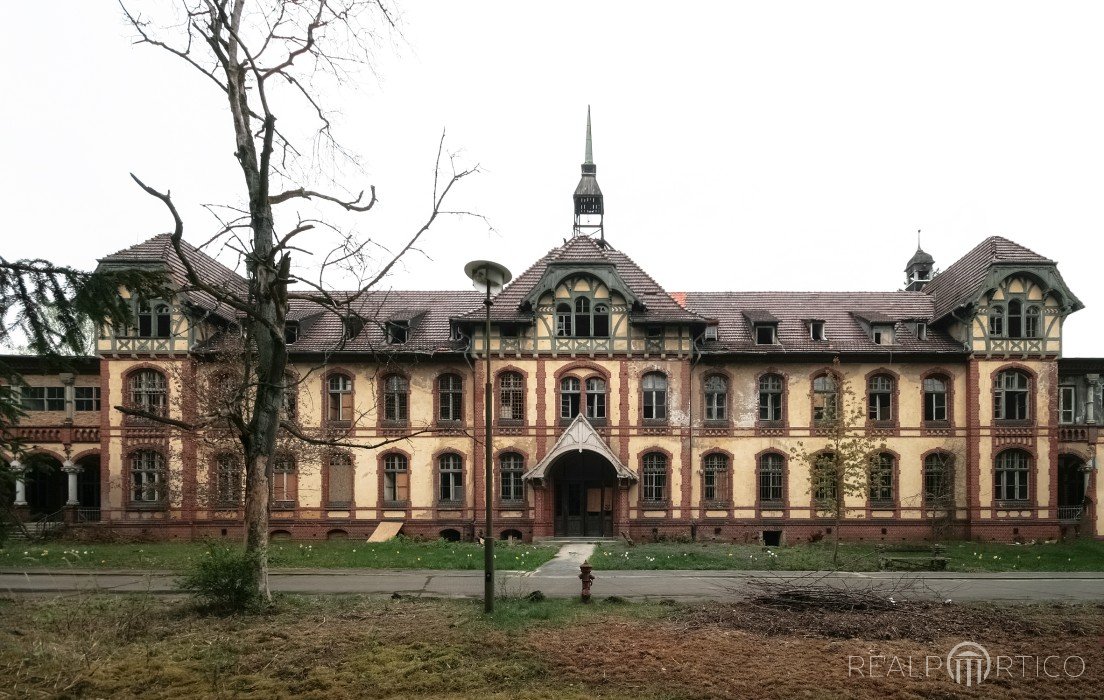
(567, 560)
(563, 582)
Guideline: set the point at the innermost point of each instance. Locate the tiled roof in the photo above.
(160, 249)
(660, 306)
(837, 309)
(962, 281)
(428, 313)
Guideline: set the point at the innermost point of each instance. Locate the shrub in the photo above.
(225, 580)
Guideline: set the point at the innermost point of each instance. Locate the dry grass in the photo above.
(318, 647)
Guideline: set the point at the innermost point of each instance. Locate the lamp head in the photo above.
(486, 275)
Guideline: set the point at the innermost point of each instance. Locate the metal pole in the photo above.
(488, 445)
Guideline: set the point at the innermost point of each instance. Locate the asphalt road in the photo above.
(638, 585)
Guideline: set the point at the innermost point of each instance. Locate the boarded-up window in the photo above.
(339, 484)
(285, 481)
(396, 479)
(340, 398)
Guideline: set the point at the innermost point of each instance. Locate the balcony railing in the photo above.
(1070, 514)
(1073, 433)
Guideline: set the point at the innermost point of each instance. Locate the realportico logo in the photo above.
(968, 664)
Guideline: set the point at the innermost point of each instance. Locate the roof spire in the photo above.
(589, 160)
(918, 239)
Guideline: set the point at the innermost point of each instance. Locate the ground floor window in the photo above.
(513, 489)
(1011, 476)
(770, 479)
(147, 469)
(715, 478)
(452, 479)
(655, 478)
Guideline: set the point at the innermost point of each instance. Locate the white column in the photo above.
(71, 470)
(1090, 407)
(20, 485)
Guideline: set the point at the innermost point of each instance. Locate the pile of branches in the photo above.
(822, 598)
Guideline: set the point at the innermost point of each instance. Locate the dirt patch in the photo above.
(730, 651)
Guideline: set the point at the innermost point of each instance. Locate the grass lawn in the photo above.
(335, 647)
(400, 553)
(1080, 555)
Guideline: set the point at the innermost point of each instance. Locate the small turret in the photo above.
(589, 205)
(920, 268)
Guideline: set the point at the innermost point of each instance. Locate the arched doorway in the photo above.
(584, 486)
(46, 485)
(1071, 487)
(88, 488)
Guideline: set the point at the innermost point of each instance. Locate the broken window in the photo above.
(339, 389)
(569, 398)
(765, 334)
(816, 330)
(880, 398)
(596, 398)
(935, 399)
(396, 479)
(563, 319)
(1015, 319)
(716, 397)
(398, 331)
(825, 398)
(655, 396)
(770, 398)
(715, 478)
(395, 395)
(1067, 404)
(996, 321)
(1031, 322)
(881, 480)
(1010, 394)
(601, 321)
(511, 400)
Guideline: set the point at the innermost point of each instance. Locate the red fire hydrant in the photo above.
(587, 578)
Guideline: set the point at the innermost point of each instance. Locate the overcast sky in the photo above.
(742, 146)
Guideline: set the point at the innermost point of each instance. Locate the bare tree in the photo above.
(847, 462)
(270, 57)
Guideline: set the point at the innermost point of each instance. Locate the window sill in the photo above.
(338, 424)
(512, 505)
(654, 422)
(282, 505)
(396, 505)
(883, 505)
(339, 505)
(936, 424)
(655, 505)
(394, 424)
(771, 505)
(1012, 423)
(147, 507)
(450, 505)
(720, 424)
(450, 424)
(715, 505)
(510, 422)
(1013, 505)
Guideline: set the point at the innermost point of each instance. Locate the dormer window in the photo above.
(291, 332)
(583, 318)
(710, 332)
(352, 326)
(882, 334)
(921, 330)
(655, 331)
(398, 332)
(816, 330)
(766, 334)
(508, 330)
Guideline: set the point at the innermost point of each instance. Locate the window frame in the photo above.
(343, 403)
(654, 398)
(655, 479)
(1067, 404)
(946, 468)
(770, 479)
(715, 409)
(140, 394)
(1003, 469)
(881, 401)
(394, 464)
(450, 399)
(511, 485)
(285, 480)
(91, 402)
(947, 394)
(331, 460)
(882, 482)
(715, 476)
(778, 403)
(516, 396)
(450, 475)
(1001, 396)
(571, 398)
(830, 413)
(595, 399)
(229, 481)
(156, 469)
(395, 395)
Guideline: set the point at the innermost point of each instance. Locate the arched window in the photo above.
(716, 398)
(395, 396)
(938, 481)
(825, 398)
(715, 478)
(1010, 396)
(450, 395)
(339, 394)
(880, 398)
(596, 398)
(285, 481)
(452, 478)
(654, 387)
(570, 395)
(935, 399)
(601, 320)
(147, 474)
(1031, 322)
(655, 478)
(148, 391)
(1011, 475)
(396, 479)
(825, 480)
(582, 317)
(511, 399)
(1015, 318)
(563, 319)
(511, 465)
(339, 480)
(228, 480)
(770, 398)
(771, 480)
(880, 479)
(996, 321)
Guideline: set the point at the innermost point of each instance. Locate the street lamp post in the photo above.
(488, 277)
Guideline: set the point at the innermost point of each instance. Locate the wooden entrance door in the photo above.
(583, 505)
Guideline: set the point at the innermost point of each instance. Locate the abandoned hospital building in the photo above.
(619, 408)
